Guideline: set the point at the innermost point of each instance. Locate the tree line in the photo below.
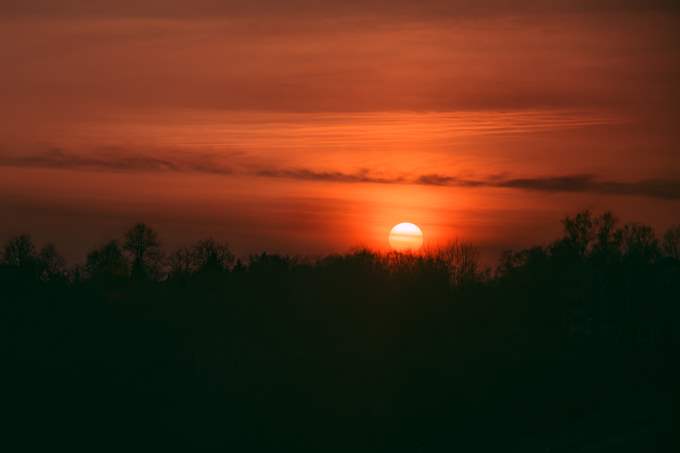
(566, 346)
(138, 255)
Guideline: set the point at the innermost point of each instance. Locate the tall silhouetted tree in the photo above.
(20, 252)
(671, 242)
(607, 242)
(107, 263)
(181, 263)
(579, 232)
(639, 242)
(143, 245)
(462, 262)
(51, 263)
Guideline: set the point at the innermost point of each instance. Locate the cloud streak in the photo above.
(361, 176)
(113, 161)
(667, 189)
(655, 188)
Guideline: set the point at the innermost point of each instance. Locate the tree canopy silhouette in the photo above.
(142, 243)
(20, 252)
(568, 346)
(107, 263)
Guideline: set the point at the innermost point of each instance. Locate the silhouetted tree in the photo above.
(608, 243)
(671, 242)
(639, 242)
(462, 262)
(270, 263)
(579, 232)
(20, 252)
(205, 256)
(523, 260)
(181, 263)
(209, 255)
(238, 267)
(107, 263)
(51, 263)
(143, 245)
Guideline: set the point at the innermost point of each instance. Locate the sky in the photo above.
(310, 127)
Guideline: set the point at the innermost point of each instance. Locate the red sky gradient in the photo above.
(310, 127)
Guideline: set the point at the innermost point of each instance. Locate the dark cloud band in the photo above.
(654, 188)
(113, 161)
(668, 189)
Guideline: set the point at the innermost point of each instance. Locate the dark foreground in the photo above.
(572, 347)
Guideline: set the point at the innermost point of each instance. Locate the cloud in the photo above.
(444, 180)
(569, 183)
(655, 188)
(113, 160)
(579, 183)
(362, 176)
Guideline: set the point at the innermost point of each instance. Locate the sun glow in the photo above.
(406, 237)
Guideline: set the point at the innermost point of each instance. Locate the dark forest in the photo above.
(570, 346)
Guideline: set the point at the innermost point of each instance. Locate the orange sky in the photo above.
(308, 127)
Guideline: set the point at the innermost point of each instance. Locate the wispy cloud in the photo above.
(655, 188)
(361, 176)
(113, 161)
(579, 183)
(128, 162)
(445, 180)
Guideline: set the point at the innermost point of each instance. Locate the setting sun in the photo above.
(406, 237)
(340, 225)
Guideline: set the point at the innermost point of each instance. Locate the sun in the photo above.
(406, 237)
